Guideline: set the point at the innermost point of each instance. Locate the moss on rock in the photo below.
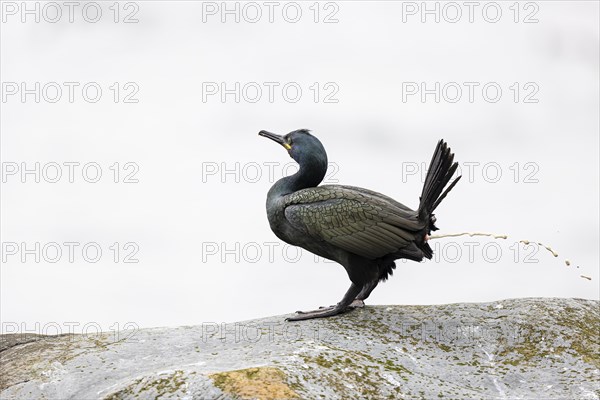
(265, 383)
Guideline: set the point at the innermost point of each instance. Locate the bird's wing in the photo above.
(360, 222)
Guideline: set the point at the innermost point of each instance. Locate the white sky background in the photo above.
(371, 135)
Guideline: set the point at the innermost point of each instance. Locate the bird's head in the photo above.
(303, 147)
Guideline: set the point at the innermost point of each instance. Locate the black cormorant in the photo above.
(362, 230)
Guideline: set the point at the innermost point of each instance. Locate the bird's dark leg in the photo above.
(359, 301)
(366, 290)
(339, 308)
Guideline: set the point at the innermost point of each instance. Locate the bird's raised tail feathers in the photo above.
(440, 172)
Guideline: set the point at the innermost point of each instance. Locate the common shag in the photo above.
(362, 230)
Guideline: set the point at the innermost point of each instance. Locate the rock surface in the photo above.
(511, 349)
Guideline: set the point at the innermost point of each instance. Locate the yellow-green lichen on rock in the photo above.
(264, 383)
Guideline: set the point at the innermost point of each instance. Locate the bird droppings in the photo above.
(492, 235)
(265, 383)
(555, 254)
(469, 234)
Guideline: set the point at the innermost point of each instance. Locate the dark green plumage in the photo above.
(362, 230)
(357, 222)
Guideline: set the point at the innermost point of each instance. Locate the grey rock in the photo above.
(512, 349)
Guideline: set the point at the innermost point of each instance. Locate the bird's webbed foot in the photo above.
(320, 313)
(355, 304)
(322, 308)
(348, 303)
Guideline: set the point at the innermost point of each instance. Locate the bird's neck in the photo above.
(309, 175)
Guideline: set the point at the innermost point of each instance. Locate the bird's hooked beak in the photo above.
(276, 138)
